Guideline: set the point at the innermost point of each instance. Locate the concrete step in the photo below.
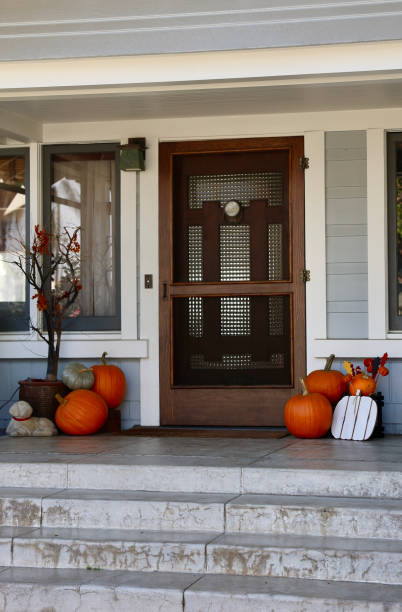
(49, 590)
(346, 559)
(86, 508)
(114, 549)
(36, 590)
(322, 558)
(319, 516)
(328, 478)
(232, 475)
(245, 593)
(164, 511)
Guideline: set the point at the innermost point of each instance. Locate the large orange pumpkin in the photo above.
(110, 382)
(330, 383)
(365, 383)
(81, 412)
(308, 415)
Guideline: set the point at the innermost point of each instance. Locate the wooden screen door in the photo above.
(232, 295)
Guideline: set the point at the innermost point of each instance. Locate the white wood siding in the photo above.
(346, 234)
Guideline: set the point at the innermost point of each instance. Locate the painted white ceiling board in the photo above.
(206, 102)
(96, 28)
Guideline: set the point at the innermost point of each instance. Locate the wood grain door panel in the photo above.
(232, 300)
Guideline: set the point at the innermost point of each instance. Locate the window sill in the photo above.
(358, 347)
(74, 346)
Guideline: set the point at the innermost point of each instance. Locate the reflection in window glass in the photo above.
(398, 179)
(82, 195)
(12, 235)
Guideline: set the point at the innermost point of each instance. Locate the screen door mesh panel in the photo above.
(194, 254)
(235, 316)
(232, 341)
(242, 187)
(234, 243)
(274, 251)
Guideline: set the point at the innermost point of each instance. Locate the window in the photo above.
(82, 189)
(14, 231)
(395, 230)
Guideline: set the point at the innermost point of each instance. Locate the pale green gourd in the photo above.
(77, 376)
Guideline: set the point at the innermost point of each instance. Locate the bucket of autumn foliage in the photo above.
(50, 257)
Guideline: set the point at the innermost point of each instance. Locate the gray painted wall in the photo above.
(72, 28)
(14, 370)
(346, 234)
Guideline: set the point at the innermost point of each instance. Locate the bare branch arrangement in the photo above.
(51, 266)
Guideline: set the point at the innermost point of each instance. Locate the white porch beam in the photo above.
(19, 127)
(373, 58)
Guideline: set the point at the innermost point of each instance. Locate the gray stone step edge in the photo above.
(218, 476)
(201, 552)
(249, 513)
(23, 590)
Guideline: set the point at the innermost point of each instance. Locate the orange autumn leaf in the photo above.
(41, 303)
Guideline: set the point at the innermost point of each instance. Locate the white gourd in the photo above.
(77, 376)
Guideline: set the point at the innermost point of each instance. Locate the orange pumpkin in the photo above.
(81, 412)
(330, 383)
(110, 382)
(308, 415)
(365, 383)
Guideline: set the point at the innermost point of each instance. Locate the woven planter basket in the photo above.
(40, 394)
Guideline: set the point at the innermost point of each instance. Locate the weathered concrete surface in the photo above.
(221, 525)
(241, 593)
(112, 549)
(321, 516)
(135, 510)
(328, 558)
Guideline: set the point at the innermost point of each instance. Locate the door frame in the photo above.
(167, 151)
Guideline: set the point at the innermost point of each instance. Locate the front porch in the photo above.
(199, 524)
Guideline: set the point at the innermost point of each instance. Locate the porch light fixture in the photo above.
(132, 155)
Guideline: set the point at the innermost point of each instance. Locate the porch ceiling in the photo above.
(204, 100)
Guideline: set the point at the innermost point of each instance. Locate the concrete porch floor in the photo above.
(384, 454)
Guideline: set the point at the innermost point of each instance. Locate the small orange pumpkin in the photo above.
(81, 412)
(308, 415)
(330, 383)
(365, 383)
(110, 382)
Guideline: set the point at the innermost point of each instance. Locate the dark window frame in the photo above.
(94, 323)
(9, 322)
(394, 320)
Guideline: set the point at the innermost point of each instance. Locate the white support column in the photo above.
(128, 250)
(377, 235)
(316, 289)
(149, 305)
(35, 209)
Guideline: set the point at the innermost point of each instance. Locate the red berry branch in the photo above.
(51, 254)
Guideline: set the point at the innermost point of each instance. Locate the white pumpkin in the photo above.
(77, 376)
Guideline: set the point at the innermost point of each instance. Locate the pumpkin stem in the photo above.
(304, 388)
(103, 358)
(60, 399)
(329, 363)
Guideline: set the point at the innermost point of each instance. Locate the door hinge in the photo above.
(304, 163)
(305, 276)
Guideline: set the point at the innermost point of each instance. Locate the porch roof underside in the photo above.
(72, 28)
(23, 115)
